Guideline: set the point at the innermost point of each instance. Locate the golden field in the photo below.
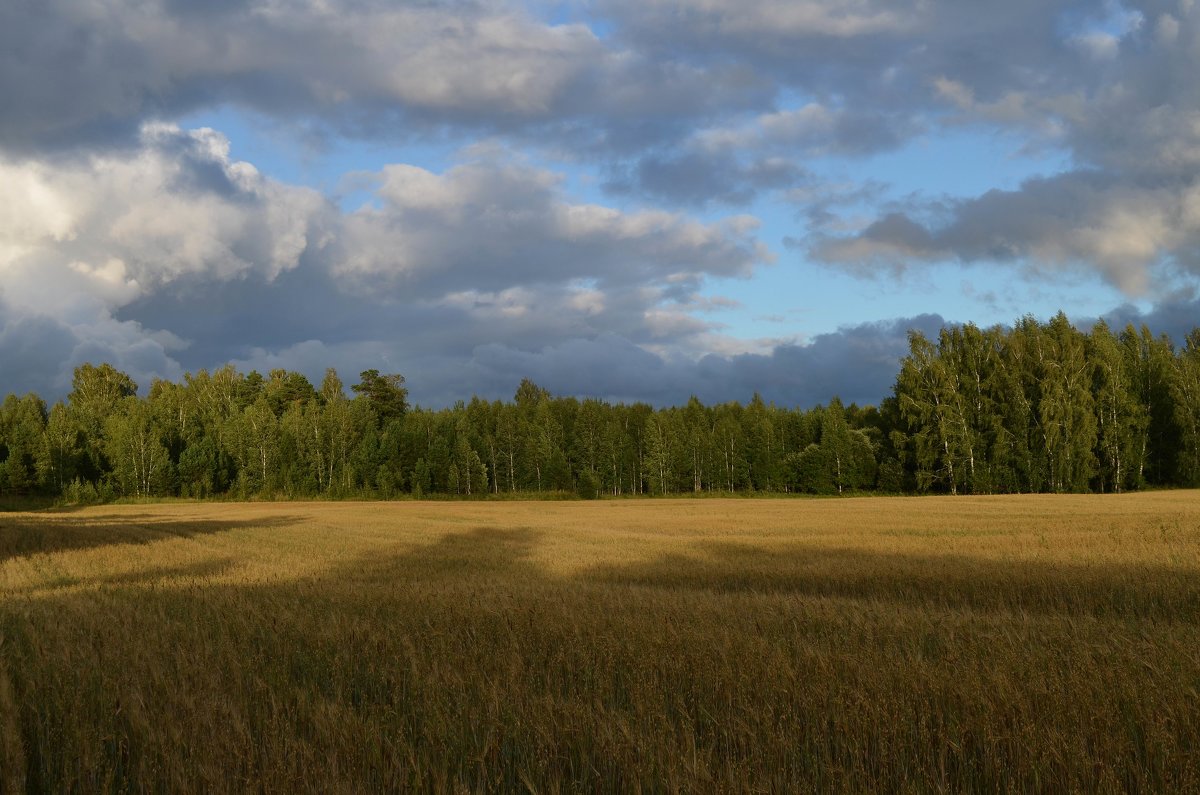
(1045, 643)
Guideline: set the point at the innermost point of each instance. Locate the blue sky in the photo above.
(633, 200)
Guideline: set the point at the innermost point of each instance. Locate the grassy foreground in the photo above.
(1034, 643)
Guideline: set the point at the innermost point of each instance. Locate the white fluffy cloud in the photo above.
(81, 238)
(110, 227)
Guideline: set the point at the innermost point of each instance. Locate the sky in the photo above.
(624, 199)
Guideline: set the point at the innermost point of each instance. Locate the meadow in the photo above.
(1041, 643)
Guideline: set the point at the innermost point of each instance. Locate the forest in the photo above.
(1036, 407)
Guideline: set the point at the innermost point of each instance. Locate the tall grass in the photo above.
(1032, 643)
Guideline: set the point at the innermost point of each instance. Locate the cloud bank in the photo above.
(613, 164)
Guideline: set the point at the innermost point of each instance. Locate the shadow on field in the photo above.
(504, 557)
(46, 533)
(948, 581)
(482, 553)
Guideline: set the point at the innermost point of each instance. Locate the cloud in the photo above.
(623, 77)
(125, 237)
(726, 21)
(858, 363)
(813, 129)
(1077, 221)
(85, 74)
(32, 349)
(497, 223)
(103, 229)
(735, 164)
(40, 352)
(83, 237)
(1176, 316)
(880, 55)
(1128, 208)
(171, 255)
(75, 71)
(698, 178)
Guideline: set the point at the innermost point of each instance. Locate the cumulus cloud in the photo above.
(105, 228)
(493, 224)
(1077, 221)
(83, 237)
(173, 255)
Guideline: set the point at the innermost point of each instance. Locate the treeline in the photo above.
(1038, 407)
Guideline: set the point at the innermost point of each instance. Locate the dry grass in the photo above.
(1033, 643)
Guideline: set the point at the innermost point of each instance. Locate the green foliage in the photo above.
(1040, 407)
(587, 486)
(79, 492)
(141, 466)
(384, 393)
(60, 450)
(1185, 395)
(22, 447)
(843, 460)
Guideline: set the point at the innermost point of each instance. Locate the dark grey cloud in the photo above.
(734, 164)
(1176, 316)
(701, 178)
(76, 74)
(78, 70)
(73, 73)
(39, 352)
(858, 363)
(31, 352)
(877, 54)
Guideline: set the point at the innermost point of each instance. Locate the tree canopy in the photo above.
(1038, 407)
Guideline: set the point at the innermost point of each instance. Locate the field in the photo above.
(1045, 643)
